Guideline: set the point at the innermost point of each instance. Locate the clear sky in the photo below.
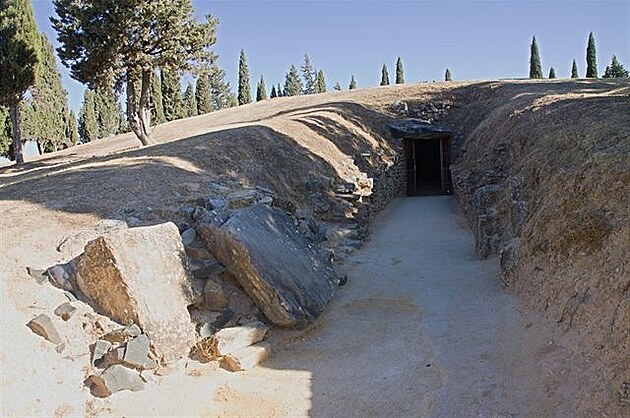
(476, 39)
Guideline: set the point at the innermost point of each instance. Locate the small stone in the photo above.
(230, 340)
(137, 353)
(214, 296)
(43, 326)
(37, 274)
(211, 217)
(246, 358)
(217, 204)
(116, 378)
(99, 349)
(206, 330)
(192, 187)
(133, 330)
(188, 236)
(65, 311)
(60, 276)
(242, 198)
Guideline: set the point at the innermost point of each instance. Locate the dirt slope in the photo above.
(557, 148)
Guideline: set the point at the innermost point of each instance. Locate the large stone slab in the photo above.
(138, 276)
(290, 279)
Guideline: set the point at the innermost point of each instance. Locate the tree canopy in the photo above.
(321, 82)
(400, 77)
(591, 57)
(615, 70)
(309, 76)
(244, 96)
(535, 67)
(125, 41)
(384, 76)
(261, 90)
(292, 83)
(574, 70)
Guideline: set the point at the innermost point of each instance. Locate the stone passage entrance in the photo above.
(427, 156)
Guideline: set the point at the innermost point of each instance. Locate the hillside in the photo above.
(541, 169)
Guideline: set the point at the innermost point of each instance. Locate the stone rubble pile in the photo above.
(206, 289)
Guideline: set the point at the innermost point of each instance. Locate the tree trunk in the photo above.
(14, 109)
(138, 112)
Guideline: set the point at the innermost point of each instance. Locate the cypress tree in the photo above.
(157, 105)
(107, 112)
(88, 123)
(244, 96)
(172, 95)
(535, 68)
(384, 76)
(552, 73)
(400, 77)
(72, 131)
(18, 62)
(220, 91)
(261, 90)
(273, 94)
(574, 70)
(337, 87)
(279, 91)
(615, 70)
(292, 83)
(321, 82)
(448, 76)
(353, 83)
(190, 102)
(309, 76)
(5, 132)
(202, 95)
(591, 57)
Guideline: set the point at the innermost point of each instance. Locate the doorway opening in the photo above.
(427, 150)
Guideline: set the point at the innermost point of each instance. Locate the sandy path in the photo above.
(423, 328)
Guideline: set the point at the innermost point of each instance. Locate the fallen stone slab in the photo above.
(290, 279)
(230, 340)
(65, 311)
(246, 358)
(114, 379)
(43, 326)
(99, 349)
(138, 275)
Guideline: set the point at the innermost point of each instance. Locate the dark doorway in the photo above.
(428, 162)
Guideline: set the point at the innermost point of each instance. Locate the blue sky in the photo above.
(475, 39)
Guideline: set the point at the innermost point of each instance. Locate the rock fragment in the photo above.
(99, 350)
(65, 311)
(137, 353)
(115, 379)
(246, 358)
(215, 297)
(230, 340)
(43, 326)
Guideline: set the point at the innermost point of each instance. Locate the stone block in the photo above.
(65, 311)
(230, 340)
(246, 358)
(114, 379)
(138, 275)
(290, 279)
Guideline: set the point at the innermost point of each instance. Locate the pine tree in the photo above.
(615, 70)
(292, 83)
(172, 95)
(321, 82)
(273, 94)
(574, 70)
(220, 91)
(107, 111)
(88, 123)
(203, 96)
(244, 96)
(190, 102)
(337, 87)
(125, 42)
(552, 73)
(157, 105)
(18, 62)
(535, 67)
(261, 90)
(448, 76)
(308, 74)
(400, 77)
(72, 131)
(591, 57)
(353, 83)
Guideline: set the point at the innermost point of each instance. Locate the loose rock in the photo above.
(99, 349)
(246, 358)
(230, 340)
(114, 379)
(131, 273)
(289, 279)
(65, 311)
(215, 297)
(137, 353)
(188, 236)
(43, 326)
